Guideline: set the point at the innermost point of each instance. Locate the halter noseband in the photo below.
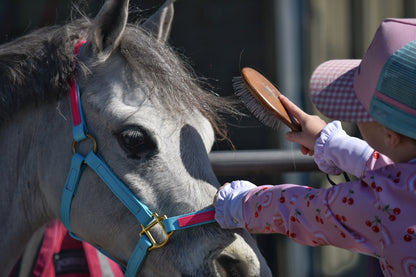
(146, 218)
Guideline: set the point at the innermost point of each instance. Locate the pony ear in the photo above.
(160, 23)
(108, 26)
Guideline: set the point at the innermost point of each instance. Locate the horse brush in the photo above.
(260, 97)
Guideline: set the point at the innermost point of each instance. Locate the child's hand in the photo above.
(228, 203)
(218, 191)
(312, 126)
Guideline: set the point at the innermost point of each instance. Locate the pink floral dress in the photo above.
(375, 215)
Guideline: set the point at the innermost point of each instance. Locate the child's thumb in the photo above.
(293, 136)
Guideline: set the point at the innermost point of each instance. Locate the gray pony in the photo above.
(154, 126)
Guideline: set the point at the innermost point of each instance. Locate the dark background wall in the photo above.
(217, 37)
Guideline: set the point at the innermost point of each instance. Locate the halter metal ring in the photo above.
(92, 139)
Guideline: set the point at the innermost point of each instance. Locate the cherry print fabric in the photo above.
(374, 215)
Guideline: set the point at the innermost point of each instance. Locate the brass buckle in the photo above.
(146, 230)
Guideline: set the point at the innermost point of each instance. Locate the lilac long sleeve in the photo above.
(336, 152)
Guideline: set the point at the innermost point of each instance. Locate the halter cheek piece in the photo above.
(146, 218)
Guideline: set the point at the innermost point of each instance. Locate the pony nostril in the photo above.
(231, 266)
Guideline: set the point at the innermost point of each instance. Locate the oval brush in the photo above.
(260, 97)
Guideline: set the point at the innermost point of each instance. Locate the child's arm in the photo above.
(309, 216)
(334, 150)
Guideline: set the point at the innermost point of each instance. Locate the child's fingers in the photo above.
(215, 197)
(294, 136)
(300, 138)
(306, 151)
(291, 107)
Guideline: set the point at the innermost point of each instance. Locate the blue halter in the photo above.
(146, 218)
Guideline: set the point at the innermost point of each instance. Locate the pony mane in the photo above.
(37, 68)
(165, 66)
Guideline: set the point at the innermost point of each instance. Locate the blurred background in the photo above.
(283, 39)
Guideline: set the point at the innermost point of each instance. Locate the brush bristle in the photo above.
(261, 113)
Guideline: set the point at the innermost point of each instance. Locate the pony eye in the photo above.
(136, 142)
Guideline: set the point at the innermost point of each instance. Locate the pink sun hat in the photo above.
(381, 86)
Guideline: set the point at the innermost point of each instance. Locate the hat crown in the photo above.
(382, 84)
(397, 79)
(392, 35)
(394, 101)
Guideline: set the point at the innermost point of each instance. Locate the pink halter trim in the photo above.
(73, 92)
(196, 219)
